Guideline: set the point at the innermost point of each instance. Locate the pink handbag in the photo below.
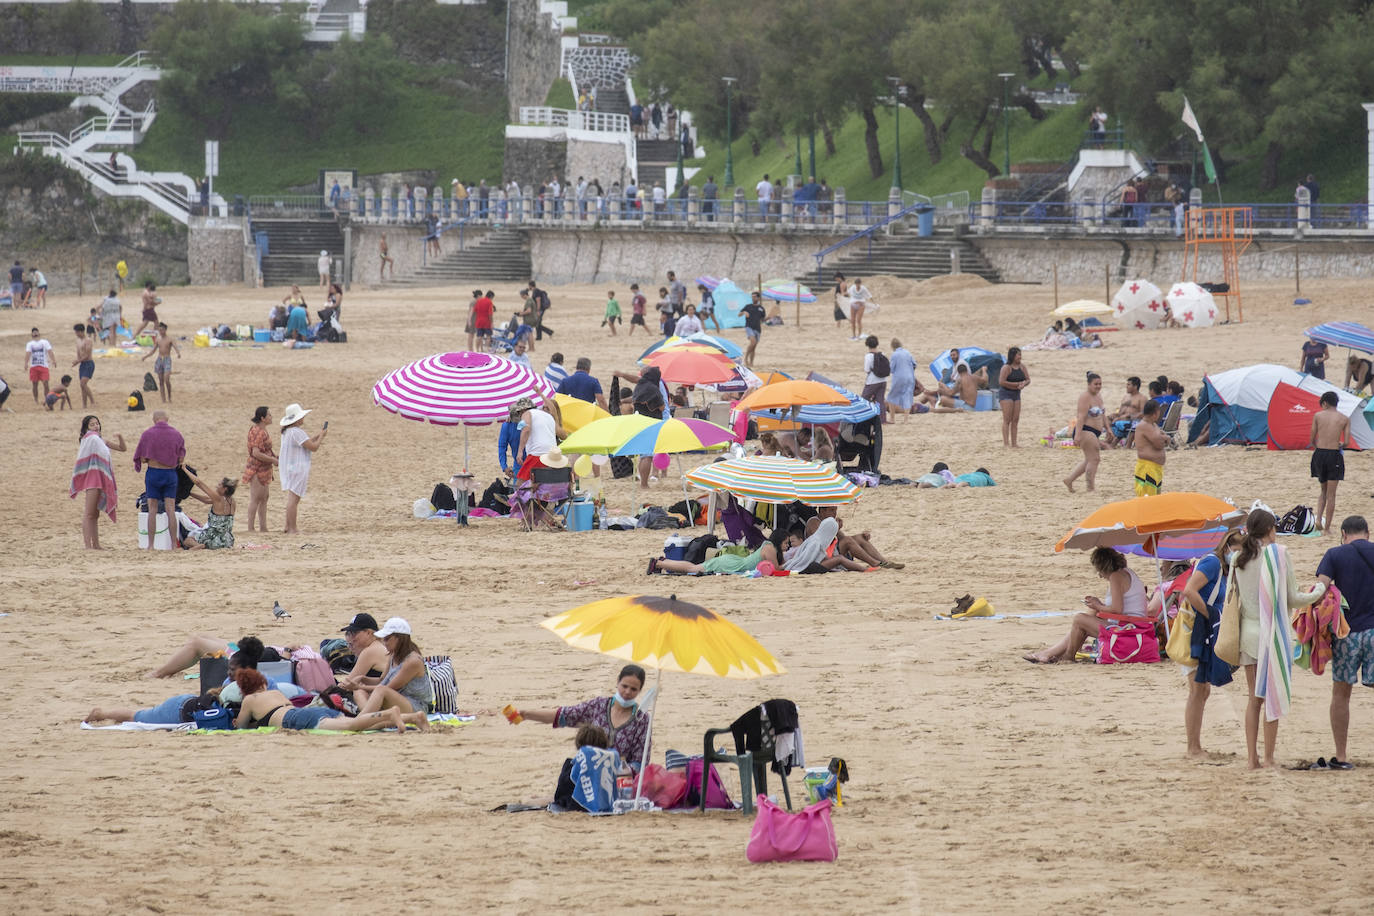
(1119, 645)
(778, 836)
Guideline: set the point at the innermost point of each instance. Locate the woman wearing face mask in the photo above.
(1206, 595)
(619, 714)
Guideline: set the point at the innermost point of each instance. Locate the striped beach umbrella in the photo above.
(787, 291)
(668, 437)
(1349, 334)
(693, 367)
(774, 479)
(710, 282)
(449, 389)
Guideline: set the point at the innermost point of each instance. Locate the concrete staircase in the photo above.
(614, 101)
(909, 256)
(656, 158)
(293, 249)
(501, 255)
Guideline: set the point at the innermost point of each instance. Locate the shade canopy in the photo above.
(693, 367)
(1349, 334)
(449, 389)
(669, 437)
(792, 393)
(1139, 520)
(604, 436)
(666, 634)
(577, 413)
(787, 291)
(1082, 308)
(775, 479)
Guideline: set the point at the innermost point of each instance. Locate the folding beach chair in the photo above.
(1170, 425)
(543, 498)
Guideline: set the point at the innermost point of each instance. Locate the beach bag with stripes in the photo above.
(444, 682)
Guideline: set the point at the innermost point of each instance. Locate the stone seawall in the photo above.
(621, 256)
(534, 56)
(1091, 260)
(215, 251)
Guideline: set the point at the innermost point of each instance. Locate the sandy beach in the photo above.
(980, 783)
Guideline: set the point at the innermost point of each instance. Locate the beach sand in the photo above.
(980, 783)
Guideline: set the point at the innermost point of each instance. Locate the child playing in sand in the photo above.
(163, 345)
(1330, 428)
(58, 394)
(612, 312)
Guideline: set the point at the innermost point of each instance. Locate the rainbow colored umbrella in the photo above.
(774, 479)
(601, 437)
(787, 291)
(668, 437)
(699, 341)
(710, 282)
(464, 388)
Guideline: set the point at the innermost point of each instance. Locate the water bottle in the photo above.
(601, 515)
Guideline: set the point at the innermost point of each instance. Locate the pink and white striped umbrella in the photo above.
(447, 389)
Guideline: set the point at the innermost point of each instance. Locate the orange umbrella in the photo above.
(692, 367)
(795, 393)
(1147, 518)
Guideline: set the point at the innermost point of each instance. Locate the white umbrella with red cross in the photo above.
(1139, 306)
(1192, 305)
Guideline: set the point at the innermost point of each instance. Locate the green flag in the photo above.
(1207, 165)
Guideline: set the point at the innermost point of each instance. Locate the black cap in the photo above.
(361, 622)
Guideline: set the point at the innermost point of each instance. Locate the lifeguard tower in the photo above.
(1226, 231)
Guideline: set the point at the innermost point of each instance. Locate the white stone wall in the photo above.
(603, 161)
(623, 256)
(214, 250)
(1085, 261)
(601, 66)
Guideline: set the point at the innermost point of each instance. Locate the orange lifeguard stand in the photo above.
(1228, 228)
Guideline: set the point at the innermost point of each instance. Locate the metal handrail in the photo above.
(864, 233)
(1158, 216)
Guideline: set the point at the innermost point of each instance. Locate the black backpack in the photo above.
(1298, 520)
(881, 367)
(149, 382)
(137, 398)
(442, 498)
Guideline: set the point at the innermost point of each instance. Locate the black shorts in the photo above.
(639, 320)
(1328, 464)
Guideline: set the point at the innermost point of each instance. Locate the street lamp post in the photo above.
(1006, 129)
(729, 134)
(897, 124)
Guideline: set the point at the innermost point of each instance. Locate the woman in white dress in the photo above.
(297, 447)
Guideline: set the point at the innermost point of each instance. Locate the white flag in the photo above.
(1191, 119)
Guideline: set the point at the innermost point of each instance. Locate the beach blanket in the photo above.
(190, 727)
(1027, 616)
(1274, 671)
(93, 472)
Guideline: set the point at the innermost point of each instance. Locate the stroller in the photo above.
(861, 443)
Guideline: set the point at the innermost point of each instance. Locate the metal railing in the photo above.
(538, 116)
(1157, 217)
(295, 206)
(866, 233)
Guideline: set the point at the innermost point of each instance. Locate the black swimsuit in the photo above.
(265, 720)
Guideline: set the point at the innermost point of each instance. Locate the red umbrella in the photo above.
(692, 367)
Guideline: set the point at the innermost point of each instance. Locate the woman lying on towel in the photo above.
(263, 707)
(727, 564)
(619, 714)
(1126, 597)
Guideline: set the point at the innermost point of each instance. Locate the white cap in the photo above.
(324, 254)
(393, 626)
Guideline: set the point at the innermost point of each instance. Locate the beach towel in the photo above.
(93, 472)
(1318, 626)
(813, 549)
(1274, 665)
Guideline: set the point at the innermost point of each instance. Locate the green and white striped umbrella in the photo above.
(774, 479)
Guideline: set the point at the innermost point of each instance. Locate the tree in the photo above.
(78, 27)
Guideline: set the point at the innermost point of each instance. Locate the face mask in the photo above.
(1231, 557)
(624, 703)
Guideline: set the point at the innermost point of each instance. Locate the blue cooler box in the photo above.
(262, 335)
(582, 516)
(675, 547)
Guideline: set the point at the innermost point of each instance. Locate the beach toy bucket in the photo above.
(202, 339)
(262, 335)
(581, 516)
(987, 400)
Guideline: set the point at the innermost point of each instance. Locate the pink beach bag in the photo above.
(778, 836)
(1128, 644)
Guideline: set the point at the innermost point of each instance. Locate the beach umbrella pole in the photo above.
(685, 498)
(648, 736)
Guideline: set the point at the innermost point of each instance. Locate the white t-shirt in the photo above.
(764, 190)
(869, 377)
(40, 353)
(859, 293)
(294, 461)
(323, 264)
(688, 325)
(660, 195)
(543, 433)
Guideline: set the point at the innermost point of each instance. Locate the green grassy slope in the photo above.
(263, 154)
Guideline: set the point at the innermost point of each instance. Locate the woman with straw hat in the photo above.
(294, 463)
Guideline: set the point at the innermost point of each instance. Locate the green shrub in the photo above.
(21, 106)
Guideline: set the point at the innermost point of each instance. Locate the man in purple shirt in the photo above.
(162, 449)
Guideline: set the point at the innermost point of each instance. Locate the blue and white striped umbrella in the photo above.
(1349, 334)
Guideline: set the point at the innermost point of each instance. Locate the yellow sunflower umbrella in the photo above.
(577, 413)
(664, 633)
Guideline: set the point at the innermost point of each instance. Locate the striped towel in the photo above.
(1274, 671)
(93, 472)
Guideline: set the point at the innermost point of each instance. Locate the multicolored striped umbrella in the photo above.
(449, 389)
(601, 437)
(1349, 334)
(774, 479)
(710, 282)
(667, 437)
(787, 291)
(699, 341)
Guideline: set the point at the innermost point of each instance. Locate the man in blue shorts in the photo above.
(162, 449)
(1350, 567)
